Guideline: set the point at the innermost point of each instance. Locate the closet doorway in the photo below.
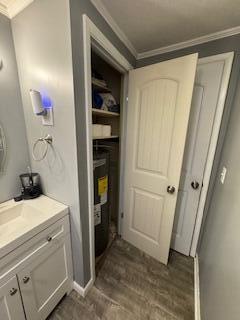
(106, 83)
(106, 134)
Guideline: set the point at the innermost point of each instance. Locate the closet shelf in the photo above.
(103, 113)
(100, 88)
(103, 138)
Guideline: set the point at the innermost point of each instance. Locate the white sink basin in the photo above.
(20, 211)
(20, 221)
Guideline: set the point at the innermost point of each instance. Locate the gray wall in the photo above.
(219, 251)
(220, 237)
(43, 48)
(77, 9)
(11, 116)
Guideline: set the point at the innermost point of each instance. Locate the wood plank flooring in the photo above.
(133, 286)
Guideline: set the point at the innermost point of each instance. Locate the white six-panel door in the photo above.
(157, 119)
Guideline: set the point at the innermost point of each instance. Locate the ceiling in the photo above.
(148, 27)
(152, 24)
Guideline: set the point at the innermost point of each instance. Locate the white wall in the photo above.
(43, 48)
(11, 116)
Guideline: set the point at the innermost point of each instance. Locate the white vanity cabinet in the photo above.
(40, 271)
(45, 280)
(10, 301)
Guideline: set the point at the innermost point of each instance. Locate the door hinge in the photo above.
(122, 215)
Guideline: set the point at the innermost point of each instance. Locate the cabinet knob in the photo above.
(26, 279)
(49, 238)
(13, 291)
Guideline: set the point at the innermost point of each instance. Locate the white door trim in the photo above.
(92, 35)
(197, 309)
(228, 59)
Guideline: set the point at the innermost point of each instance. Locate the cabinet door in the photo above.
(10, 301)
(45, 280)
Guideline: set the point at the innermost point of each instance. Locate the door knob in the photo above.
(195, 185)
(26, 279)
(171, 189)
(13, 291)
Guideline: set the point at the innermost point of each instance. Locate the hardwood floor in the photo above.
(133, 286)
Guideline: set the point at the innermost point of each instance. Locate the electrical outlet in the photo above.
(223, 175)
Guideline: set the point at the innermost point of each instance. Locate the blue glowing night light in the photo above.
(46, 102)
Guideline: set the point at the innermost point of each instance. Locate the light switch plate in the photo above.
(223, 175)
(47, 120)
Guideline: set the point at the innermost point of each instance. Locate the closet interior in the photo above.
(106, 110)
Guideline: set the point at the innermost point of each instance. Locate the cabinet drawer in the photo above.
(16, 260)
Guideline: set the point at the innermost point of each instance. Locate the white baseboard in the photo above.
(83, 291)
(196, 289)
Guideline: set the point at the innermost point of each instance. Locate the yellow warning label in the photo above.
(102, 185)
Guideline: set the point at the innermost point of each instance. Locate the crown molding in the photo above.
(3, 10)
(121, 35)
(190, 43)
(14, 7)
(17, 6)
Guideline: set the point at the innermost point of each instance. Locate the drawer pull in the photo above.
(13, 291)
(49, 238)
(26, 279)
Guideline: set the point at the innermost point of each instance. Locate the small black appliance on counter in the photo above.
(31, 186)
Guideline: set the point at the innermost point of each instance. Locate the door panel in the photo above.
(157, 102)
(146, 202)
(157, 119)
(10, 301)
(204, 104)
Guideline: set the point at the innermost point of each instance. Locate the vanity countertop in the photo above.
(20, 221)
